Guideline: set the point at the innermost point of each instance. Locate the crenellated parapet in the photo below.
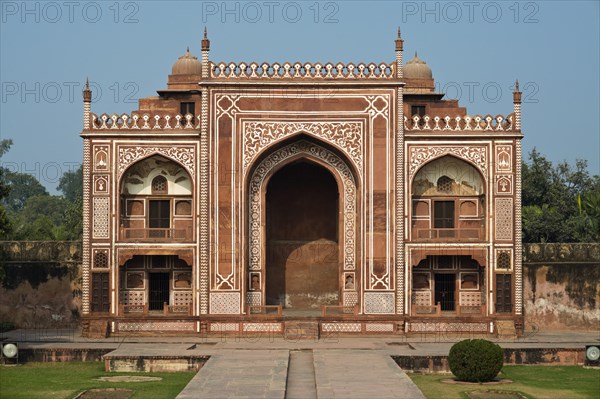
(488, 123)
(144, 122)
(298, 70)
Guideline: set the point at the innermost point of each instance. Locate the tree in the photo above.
(5, 226)
(550, 200)
(71, 184)
(22, 186)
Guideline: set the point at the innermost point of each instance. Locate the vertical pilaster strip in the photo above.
(518, 234)
(87, 161)
(85, 271)
(518, 270)
(204, 184)
(400, 284)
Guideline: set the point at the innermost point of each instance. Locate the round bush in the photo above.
(475, 360)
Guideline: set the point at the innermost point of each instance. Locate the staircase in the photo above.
(297, 330)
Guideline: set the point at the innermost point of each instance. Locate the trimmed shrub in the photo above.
(475, 360)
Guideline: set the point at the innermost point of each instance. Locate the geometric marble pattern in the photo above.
(379, 302)
(225, 303)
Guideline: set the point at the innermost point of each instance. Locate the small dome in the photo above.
(187, 64)
(417, 69)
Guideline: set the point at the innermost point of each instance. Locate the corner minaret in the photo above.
(399, 50)
(205, 51)
(517, 106)
(87, 104)
(399, 180)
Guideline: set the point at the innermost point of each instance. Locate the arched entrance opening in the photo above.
(302, 237)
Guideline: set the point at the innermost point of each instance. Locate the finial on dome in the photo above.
(517, 85)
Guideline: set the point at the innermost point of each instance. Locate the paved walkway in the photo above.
(323, 374)
(359, 374)
(240, 374)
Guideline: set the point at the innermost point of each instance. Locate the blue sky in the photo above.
(476, 50)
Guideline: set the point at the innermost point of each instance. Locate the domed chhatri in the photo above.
(416, 68)
(187, 64)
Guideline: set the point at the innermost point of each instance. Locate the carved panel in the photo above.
(347, 136)
(261, 327)
(341, 327)
(504, 158)
(279, 156)
(504, 184)
(350, 298)
(379, 302)
(253, 298)
(157, 326)
(419, 155)
(443, 326)
(101, 217)
(182, 298)
(101, 184)
(223, 327)
(421, 298)
(185, 155)
(379, 327)
(504, 218)
(470, 298)
(101, 158)
(225, 303)
(137, 298)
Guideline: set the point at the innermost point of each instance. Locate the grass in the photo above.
(65, 380)
(539, 382)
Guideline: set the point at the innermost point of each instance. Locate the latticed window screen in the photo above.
(101, 259)
(503, 261)
(444, 183)
(159, 185)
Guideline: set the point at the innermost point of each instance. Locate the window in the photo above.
(443, 214)
(503, 260)
(188, 108)
(418, 110)
(160, 215)
(159, 185)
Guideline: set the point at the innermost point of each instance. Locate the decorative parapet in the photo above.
(460, 123)
(297, 70)
(144, 122)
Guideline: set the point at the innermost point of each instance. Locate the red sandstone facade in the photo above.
(248, 196)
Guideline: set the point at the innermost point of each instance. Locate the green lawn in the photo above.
(539, 382)
(65, 380)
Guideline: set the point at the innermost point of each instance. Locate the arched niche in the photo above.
(138, 178)
(448, 176)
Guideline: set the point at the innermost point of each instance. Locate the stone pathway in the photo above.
(360, 374)
(301, 376)
(240, 374)
(283, 374)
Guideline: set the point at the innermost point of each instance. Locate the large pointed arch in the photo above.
(258, 179)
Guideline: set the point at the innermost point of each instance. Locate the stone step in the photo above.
(301, 330)
(506, 328)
